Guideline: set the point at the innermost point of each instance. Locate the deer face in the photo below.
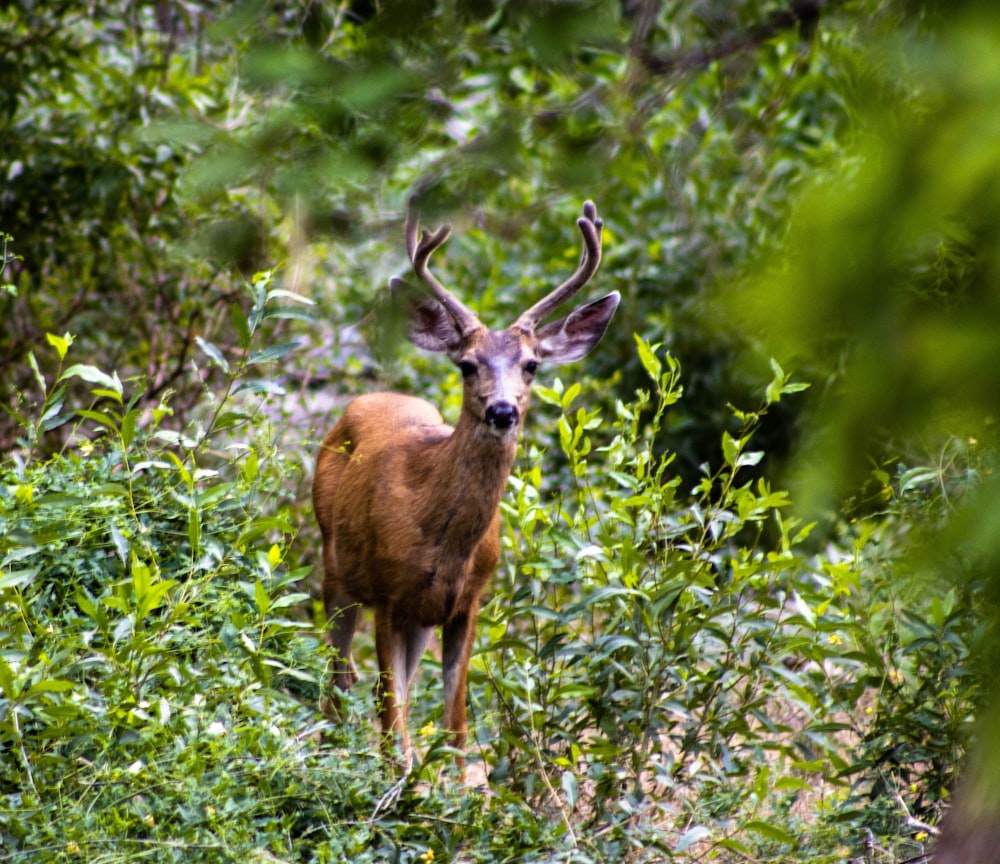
(497, 371)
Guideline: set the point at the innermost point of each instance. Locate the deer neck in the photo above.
(482, 461)
(475, 466)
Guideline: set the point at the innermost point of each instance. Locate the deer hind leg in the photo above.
(456, 648)
(342, 619)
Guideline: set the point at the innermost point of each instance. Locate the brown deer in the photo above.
(408, 506)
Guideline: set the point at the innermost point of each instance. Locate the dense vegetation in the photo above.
(742, 612)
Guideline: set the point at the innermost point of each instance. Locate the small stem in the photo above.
(21, 750)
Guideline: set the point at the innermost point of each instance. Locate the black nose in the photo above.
(501, 415)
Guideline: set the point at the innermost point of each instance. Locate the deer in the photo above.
(409, 506)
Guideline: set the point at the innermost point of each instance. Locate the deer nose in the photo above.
(501, 415)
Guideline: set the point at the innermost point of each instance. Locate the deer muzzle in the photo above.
(502, 416)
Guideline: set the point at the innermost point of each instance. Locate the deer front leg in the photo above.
(416, 644)
(456, 648)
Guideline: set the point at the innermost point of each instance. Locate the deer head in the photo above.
(498, 366)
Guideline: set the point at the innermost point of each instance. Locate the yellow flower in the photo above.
(149, 820)
(425, 732)
(72, 848)
(921, 836)
(428, 856)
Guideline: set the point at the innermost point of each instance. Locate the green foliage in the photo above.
(888, 285)
(151, 151)
(676, 662)
(658, 671)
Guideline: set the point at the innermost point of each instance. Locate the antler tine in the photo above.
(590, 258)
(420, 253)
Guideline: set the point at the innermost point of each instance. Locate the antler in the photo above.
(465, 319)
(590, 227)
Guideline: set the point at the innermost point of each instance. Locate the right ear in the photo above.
(575, 336)
(430, 325)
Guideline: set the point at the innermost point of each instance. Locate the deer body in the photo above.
(420, 524)
(408, 506)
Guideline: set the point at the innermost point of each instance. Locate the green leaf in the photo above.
(60, 343)
(214, 354)
(286, 600)
(693, 835)
(771, 832)
(50, 685)
(547, 395)
(240, 325)
(97, 417)
(761, 781)
(182, 468)
(260, 527)
(194, 529)
(261, 598)
(647, 356)
(229, 420)
(571, 393)
(274, 352)
(8, 680)
(122, 546)
(94, 375)
(105, 393)
(570, 788)
(87, 606)
(142, 577)
(281, 294)
(287, 312)
(151, 600)
(793, 784)
(730, 449)
(33, 363)
(270, 387)
(249, 467)
(753, 457)
(17, 578)
(128, 427)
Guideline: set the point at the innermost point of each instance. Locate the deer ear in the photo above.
(430, 325)
(574, 336)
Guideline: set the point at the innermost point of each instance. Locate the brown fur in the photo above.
(429, 499)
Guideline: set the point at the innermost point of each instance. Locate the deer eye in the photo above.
(467, 368)
(531, 367)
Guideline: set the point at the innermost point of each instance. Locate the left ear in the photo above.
(429, 325)
(574, 336)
